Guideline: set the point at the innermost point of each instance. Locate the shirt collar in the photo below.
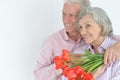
(105, 44)
(66, 37)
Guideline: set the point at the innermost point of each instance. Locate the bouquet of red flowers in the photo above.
(78, 66)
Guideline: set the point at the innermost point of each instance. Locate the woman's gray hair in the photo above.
(84, 3)
(100, 17)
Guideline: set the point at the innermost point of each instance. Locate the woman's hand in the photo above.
(99, 71)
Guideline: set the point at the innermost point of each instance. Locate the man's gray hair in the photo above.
(100, 17)
(84, 3)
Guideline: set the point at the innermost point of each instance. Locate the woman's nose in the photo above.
(83, 31)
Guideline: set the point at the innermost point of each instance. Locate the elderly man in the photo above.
(67, 38)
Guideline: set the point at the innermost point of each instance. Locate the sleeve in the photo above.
(116, 37)
(45, 68)
(116, 71)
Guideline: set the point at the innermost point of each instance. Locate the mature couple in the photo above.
(83, 24)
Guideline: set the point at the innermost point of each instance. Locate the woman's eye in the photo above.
(80, 27)
(87, 25)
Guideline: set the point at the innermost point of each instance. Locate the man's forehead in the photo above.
(71, 6)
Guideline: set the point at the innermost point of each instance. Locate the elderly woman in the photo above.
(96, 28)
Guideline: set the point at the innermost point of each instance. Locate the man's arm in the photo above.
(45, 68)
(116, 37)
(115, 75)
(113, 53)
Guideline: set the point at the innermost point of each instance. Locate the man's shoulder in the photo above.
(60, 32)
(115, 37)
(56, 35)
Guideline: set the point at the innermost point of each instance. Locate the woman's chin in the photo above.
(88, 42)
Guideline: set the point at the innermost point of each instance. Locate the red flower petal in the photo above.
(78, 69)
(88, 77)
(65, 71)
(71, 74)
(66, 55)
(59, 62)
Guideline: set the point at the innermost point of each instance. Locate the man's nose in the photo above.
(67, 18)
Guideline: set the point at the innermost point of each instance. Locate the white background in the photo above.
(24, 24)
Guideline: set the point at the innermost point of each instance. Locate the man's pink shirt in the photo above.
(52, 46)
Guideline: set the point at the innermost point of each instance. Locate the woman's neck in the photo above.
(97, 43)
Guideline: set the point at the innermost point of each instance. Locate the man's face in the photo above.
(69, 16)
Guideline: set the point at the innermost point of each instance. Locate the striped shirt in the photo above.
(113, 70)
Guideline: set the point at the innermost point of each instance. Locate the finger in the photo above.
(104, 67)
(114, 58)
(117, 57)
(110, 57)
(106, 56)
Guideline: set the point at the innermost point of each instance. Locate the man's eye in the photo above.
(63, 14)
(71, 15)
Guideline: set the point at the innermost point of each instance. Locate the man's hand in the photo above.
(112, 53)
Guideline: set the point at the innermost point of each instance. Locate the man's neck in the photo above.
(74, 36)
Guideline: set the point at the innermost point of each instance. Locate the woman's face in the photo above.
(89, 29)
